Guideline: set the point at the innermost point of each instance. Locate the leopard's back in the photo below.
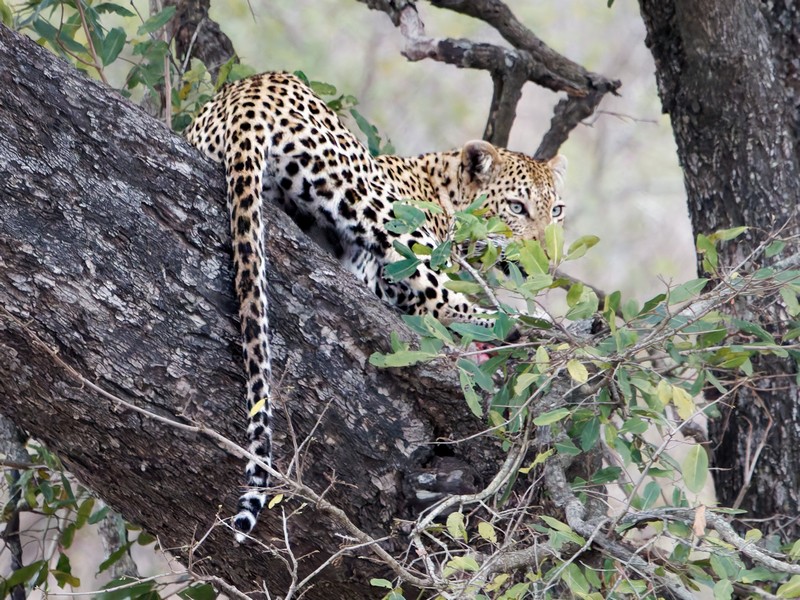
(278, 141)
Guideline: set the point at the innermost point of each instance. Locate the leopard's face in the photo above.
(523, 192)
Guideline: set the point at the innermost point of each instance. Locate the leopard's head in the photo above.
(522, 191)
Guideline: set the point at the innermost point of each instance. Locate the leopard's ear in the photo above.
(559, 166)
(480, 160)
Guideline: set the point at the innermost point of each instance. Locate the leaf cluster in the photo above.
(635, 391)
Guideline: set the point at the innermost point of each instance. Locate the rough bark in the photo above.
(728, 78)
(197, 36)
(114, 251)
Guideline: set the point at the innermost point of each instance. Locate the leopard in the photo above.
(280, 142)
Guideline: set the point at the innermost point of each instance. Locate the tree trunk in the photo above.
(727, 76)
(114, 251)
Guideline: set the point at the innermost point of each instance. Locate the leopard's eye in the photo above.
(518, 208)
(557, 211)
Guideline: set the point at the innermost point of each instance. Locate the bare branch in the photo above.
(529, 59)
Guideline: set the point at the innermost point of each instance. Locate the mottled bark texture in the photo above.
(114, 251)
(197, 36)
(727, 75)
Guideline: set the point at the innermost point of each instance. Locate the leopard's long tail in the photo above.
(243, 150)
(245, 156)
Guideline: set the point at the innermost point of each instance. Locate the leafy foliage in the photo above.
(66, 508)
(631, 393)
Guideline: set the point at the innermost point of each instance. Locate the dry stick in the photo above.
(752, 460)
(181, 577)
(336, 513)
(562, 495)
(97, 63)
(226, 587)
(722, 527)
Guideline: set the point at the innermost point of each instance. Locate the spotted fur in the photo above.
(278, 141)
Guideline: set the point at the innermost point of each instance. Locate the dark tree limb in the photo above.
(114, 252)
(529, 59)
(727, 75)
(197, 36)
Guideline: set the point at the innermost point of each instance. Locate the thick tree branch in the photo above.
(197, 36)
(529, 59)
(114, 250)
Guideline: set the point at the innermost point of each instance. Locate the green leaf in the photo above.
(68, 536)
(487, 532)
(436, 329)
(590, 433)
(567, 448)
(687, 290)
(240, 71)
(550, 417)
(652, 303)
(402, 269)
(199, 591)
(464, 287)
(139, 591)
(577, 371)
(706, 247)
(554, 242)
(63, 573)
(579, 247)
(403, 250)
(113, 557)
(145, 539)
(575, 580)
(483, 379)
(400, 359)
(574, 294)
(381, 583)
(774, 248)
(724, 235)
(723, 590)
(369, 130)
(634, 425)
(441, 255)
(7, 19)
(650, 494)
(556, 524)
(524, 381)
(321, 88)
(606, 475)
(532, 258)
(24, 574)
(456, 527)
(695, 468)
(790, 298)
(157, 21)
(473, 400)
(83, 512)
(56, 38)
(112, 45)
(407, 218)
(475, 332)
(683, 402)
(111, 7)
(790, 589)
(462, 563)
(99, 515)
